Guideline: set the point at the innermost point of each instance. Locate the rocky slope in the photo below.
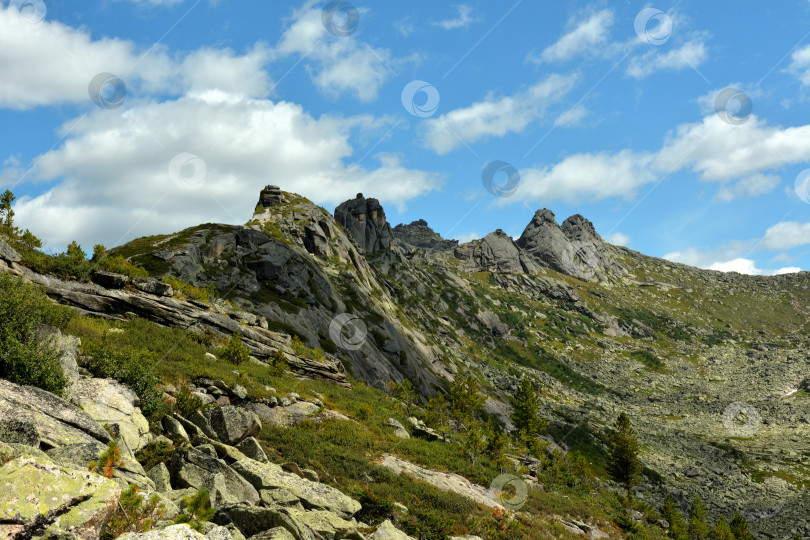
(712, 368)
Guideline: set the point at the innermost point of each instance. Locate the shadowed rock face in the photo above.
(365, 221)
(577, 228)
(544, 241)
(419, 234)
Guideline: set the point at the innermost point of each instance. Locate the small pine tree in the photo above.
(721, 531)
(698, 528)
(6, 212)
(109, 460)
(677, 525)
(98, 252)
(497, 447)
(526, 404)
(75, 251)
(406, 395)
(465, 399)
(197, 510)
(739, 528)
(625, 466)
(28, 241)
(235, 351)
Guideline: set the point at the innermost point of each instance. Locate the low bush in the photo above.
(24, 358)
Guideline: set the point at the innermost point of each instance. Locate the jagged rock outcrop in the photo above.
(419, 234)
(574, 248)
(497, 253)
(365, 220)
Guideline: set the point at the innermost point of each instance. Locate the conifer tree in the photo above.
(721, 531)
(677, 525)
(698, 528)
(739, 528)
(625, 466)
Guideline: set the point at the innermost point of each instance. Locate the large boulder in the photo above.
(323, 523)
(285, 416)
(8, 253)
(79, 455)
(174, 532)
(198, 470)
(419, 234)
(251, 520)
(228, 424)
(387, 531)
(544, 241)
(364, 219)
(37, 495)
(110, 403)
(58, 423)
(313, 495)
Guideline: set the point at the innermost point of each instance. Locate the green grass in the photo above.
(647, 358)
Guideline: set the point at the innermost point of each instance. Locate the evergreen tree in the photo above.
(739, 528)
(698, 528)
(624, 465)
(75, 251)
(465, 399)
(721, 531)
(98, 252)
(526, 405)
(677, 525)
(6, 213)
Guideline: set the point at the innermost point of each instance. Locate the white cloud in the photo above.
(113, 181)
(468, 237)
(786, 235)
(750, 186)
(713, 149)
(51, 63)
(689, 55)
(337, 64)
(462, 19)
(800, 64)
(586, 37)
(583, 177)
(618, 239)
(747, 266)
(495, 117)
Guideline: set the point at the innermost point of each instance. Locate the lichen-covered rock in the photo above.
(159, 474)
(194, 469)
(276, 533)
(173, 532)
(79, 455)
(313, 495)
(324, 523)
(228, 424)
(58, 422)
(252, 449)
(251, 520)
(387, 531)
(19, 432)
(109, 402)
(37, 494)
(286, 416)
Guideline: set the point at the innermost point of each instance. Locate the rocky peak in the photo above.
(269, 196)
(544, 240)
(419, 234)
(365, 221)
(577, 228)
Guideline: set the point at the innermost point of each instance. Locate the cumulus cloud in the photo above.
(587, 36)
(689, 55)
(747, 266)
(618, 239)
(463, 19)
(337, 65)
(786, 235)
(496, 117)
(800, 64)
(744, 156)
(116, 183)
(53, 64)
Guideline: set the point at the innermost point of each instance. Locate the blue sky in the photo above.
(635, 115)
